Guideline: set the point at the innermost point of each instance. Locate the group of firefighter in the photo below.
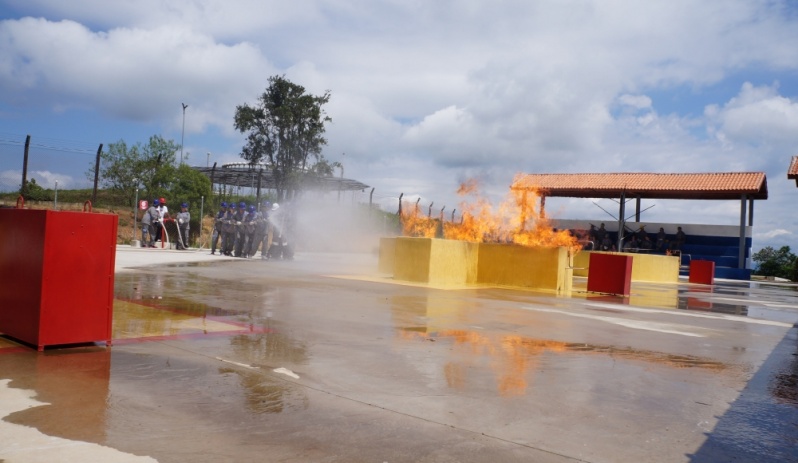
(243, 229)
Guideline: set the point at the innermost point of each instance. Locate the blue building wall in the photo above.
(717, 243)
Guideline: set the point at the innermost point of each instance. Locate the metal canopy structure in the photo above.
(719, 185)
(792, 171)
(260, 176)
(742, 186)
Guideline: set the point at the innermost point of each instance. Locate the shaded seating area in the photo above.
(729, 246)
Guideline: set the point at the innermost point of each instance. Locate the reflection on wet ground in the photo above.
(733, 298)
(202, 352)
(516, 355)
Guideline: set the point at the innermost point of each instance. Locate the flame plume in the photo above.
(516, 220)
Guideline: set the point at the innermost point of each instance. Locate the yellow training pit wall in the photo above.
(546, 269)
(435, 261)
(451, 262)
(654, 268)
(387, 253)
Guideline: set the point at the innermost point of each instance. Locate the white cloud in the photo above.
(635, 101)
(425, 94)
(756, 115)
(776, 233)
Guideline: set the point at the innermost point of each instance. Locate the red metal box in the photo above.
(56, 276)
(702, 272)
(610, 273)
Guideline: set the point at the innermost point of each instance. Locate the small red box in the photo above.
(702, 271)
(610, 273)
(56, 276)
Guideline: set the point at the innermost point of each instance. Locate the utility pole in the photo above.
(183, 134)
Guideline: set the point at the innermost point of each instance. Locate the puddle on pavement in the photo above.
(518, 354)
(265, 395)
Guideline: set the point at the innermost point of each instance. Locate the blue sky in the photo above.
(424, 94)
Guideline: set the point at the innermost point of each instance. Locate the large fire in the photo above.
(516, 220)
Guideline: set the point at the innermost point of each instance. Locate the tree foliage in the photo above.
(189, 186)
(285, 130)
(123, 167)
(778, 263)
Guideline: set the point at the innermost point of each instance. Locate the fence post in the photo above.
(22, 189)
(96, 174)
(400, 204)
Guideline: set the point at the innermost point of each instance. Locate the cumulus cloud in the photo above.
(426, 94)
(756, 115)
(131, 73)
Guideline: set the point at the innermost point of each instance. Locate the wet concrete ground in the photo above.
(322, 359)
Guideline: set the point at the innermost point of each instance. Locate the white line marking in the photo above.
(244, 365)
(628, 308)
(287, 372)
(634, 324)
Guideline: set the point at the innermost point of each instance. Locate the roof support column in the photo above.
(637, 209)
(621, 221)
(751, 212)
(741, 255)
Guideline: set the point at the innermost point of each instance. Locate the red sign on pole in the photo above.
(143, 205)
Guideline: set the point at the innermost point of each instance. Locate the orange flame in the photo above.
(516, 220)
(415, 224)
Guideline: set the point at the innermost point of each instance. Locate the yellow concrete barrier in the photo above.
(387, 252)
(546, 269)
(435, 261)
(654, 268)
(451, 262)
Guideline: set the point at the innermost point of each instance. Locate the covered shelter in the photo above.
(745, 187)
(261, 176)
(792, 171)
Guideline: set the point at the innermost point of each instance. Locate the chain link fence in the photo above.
(53, 165)
(59, 175)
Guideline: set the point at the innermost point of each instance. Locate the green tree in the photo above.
(772, 262)
(123, 168)
(323, 167)
(35, 192)
(286, 130)
(189, 186)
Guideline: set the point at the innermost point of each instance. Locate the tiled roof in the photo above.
(792, 172)
(720, 185)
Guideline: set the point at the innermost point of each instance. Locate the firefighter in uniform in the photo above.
(240, 236)
(217, 226)
(229, 230)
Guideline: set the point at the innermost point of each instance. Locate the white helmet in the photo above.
(275, 206)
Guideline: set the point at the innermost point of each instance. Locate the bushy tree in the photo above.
(778, 263)
(123, 167)
(189, 185)
(35, 192)
(286, 130)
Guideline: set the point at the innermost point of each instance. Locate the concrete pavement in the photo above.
(323, 359)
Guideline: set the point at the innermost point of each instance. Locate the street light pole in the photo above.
(183, 133)
(208, 162)
(135, 212)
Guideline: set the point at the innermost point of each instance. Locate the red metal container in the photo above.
(56, 276)
(702, 272)
(610, 273)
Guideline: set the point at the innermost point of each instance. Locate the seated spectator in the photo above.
(646, 244)
(662, 238)
(606, 244)
(631, 244)
(601, 233)
(678, 240)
